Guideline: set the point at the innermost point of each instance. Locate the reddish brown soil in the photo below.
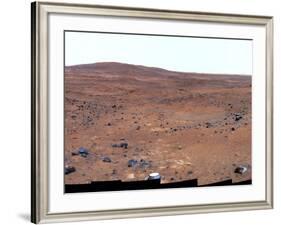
(183, 124)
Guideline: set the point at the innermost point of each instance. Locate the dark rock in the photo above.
(83, 152)
(233, 129)
(124, 145)
(189, 172)
(106, 159)
(237, 116)
(69, 169)
(132, 163)
(114, 106)
(121, 145)
(138, 128)
(241, 169)
(108, 124)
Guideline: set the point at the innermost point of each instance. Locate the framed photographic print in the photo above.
(147, 112)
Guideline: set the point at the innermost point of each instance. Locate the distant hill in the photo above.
(122, 71)
(117, 68)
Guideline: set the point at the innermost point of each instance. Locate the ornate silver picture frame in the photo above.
(50, 202)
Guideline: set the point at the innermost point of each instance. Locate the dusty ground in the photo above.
(181, 125)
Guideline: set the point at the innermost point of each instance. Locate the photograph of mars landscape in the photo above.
(146, 111)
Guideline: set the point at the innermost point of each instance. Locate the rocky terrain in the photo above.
(123, 122)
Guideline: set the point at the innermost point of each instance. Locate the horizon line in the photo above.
(174, 71)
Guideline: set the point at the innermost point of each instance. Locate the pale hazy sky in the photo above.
(186, 54)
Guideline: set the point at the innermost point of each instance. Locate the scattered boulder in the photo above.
(106, 159)
(143, 164)
(124, 145)
(241, 169)
(69, 169)
(132, 163)
(120, 145)
(237, 116)
(83, 152)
